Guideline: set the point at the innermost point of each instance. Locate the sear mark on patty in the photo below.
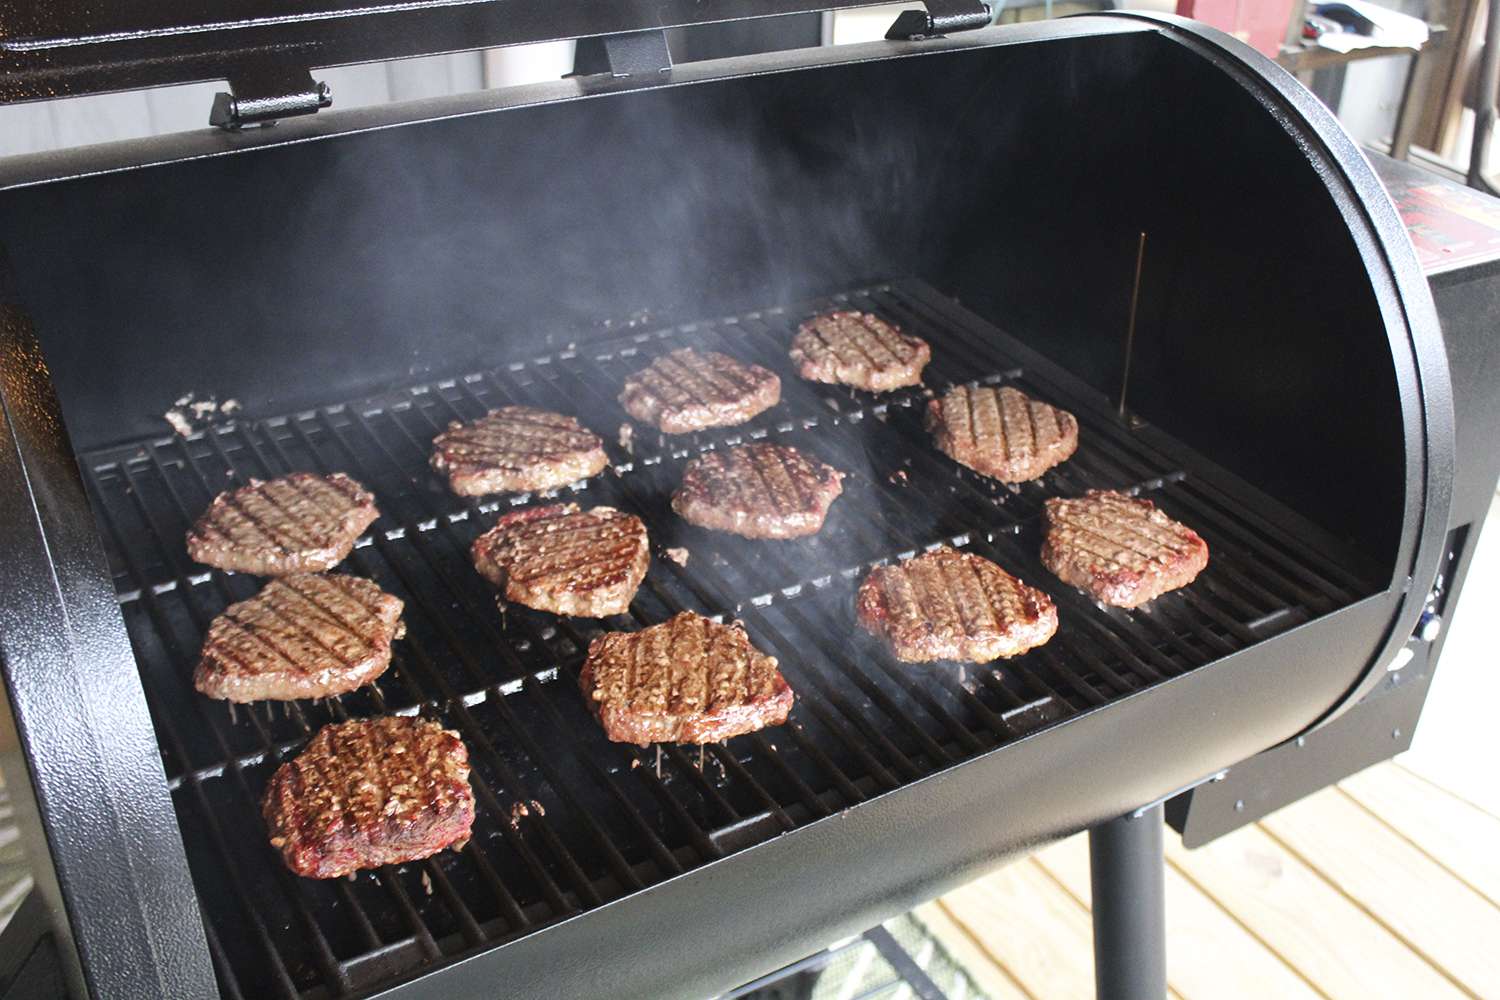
(369, 793)
(859, 349)
(688, 390)
(687, 680)
(301, 523)
(758, 491)
(1120, 549)
(516, 449)
(1001, 432)
(952, 605)
(565, 560)
(305, 636)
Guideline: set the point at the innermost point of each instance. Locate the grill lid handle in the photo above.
(266, 92)
(942, 17)
(631, 53)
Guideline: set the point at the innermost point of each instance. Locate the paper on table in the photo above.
(1391, 29)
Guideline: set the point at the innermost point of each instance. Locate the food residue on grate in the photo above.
(188, 413)
(179, 422)
(678, 556)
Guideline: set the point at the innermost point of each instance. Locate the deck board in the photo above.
(1307, 921)
(1210, 958)
(1045, 945)
(1444, 826)
(1382, 887)
(987, 971)
(1437, 915)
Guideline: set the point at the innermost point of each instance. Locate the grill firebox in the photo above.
(567, 820)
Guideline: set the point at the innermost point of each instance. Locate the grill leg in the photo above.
(1130, 933)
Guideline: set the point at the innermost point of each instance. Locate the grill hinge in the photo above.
(632, 53)
(262, 95)
(942, 17)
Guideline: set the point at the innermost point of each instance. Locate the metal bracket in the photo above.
(942, 17)
(633, 53)
(261, 96)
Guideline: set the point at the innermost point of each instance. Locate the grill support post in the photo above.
(1126, 870)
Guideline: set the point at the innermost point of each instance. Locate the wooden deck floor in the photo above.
(1383, 886)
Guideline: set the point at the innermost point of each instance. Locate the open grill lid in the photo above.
(268, 46)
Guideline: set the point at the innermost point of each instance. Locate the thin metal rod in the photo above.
(1127, 871)
(1489, 82)
(1135, 301)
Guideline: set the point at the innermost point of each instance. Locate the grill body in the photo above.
(357, 280)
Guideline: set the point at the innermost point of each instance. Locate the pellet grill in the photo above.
(1102, 207)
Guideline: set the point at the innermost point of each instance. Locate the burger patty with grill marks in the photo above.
(306, 636)
(687, 680)
(1001, 432)
(758, 491)
(1120, 549)
(565, 560)
(859, 349)
(301, 523)
(516, 449)
(369, 793)
(952, 605)
(688, 390)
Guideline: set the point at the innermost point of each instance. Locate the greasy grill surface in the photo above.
(1001, 432)
(758, 491)
(687, 390)
(1120, 549)
(846, 347)
(687, 680)
(950, 605)
(516, 448)
(304, 636)
(299, 523)
(562, 559)
(567, 820)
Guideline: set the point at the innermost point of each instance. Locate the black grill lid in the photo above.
(56, 50)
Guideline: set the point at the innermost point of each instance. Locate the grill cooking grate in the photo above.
(567, 820)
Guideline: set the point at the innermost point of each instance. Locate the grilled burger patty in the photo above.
(758, 491)
(301, 523)
(952, 605)
(1001, 432)
(687, 391)
(515, 449)
(304, 636)
(565, 560)
(1120, 549)
(859, 349)
(368, 793)
(687, 680)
